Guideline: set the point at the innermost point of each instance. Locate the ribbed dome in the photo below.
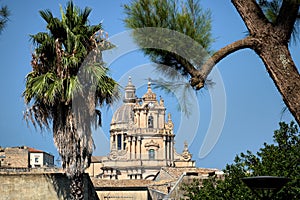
(124, 114)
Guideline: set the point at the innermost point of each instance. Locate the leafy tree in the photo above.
(168, 49)
(187, 18)
(4, 14)
(269, 36)
(67, 83)
(279, 159)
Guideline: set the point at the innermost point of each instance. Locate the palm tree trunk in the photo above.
(73, 139)
(77, 187)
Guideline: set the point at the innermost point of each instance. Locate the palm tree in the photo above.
(67, 84)
(4, 14)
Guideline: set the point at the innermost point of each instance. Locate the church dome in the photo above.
(123, 114)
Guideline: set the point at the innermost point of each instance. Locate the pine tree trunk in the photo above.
(285, 75)
(77, 187)
(272, 47)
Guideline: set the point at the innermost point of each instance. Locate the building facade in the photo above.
(24, 157)
(141, 140)
(143, 163)
(38, 158)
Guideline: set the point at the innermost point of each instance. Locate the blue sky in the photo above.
(253, 104)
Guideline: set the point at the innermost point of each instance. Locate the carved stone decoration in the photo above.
(117, 155)
(113, 155)
(131, 124)
(161, 101)
(169, 125)
(149, 96)
(122, 152)
(186, 155)
(151, 145)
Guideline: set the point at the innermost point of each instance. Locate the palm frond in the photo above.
(46, 15)
(38, 114)
(107, 91)
(43, 88)
(39, 38)
(84, 15)
(73, 86)
(4, 14)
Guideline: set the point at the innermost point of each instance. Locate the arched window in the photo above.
(150, 121)
(151, 154)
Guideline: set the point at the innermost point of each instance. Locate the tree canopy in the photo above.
(279, 159)
(187, 18)
(269, 34)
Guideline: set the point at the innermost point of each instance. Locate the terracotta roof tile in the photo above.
(162, 185)
(33, 150)
(177, 172)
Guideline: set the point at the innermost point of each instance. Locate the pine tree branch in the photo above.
(251, 14)
(197, 81)
(286, 18)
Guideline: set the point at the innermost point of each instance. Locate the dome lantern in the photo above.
(129, 92)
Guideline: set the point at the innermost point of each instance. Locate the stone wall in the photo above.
(94, 169)
(40, 186)
(123, 194)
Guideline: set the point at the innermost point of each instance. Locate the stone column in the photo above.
(165, 149)
(116, 141)
(168, 149)
(139, 143)
(146, 120)
(111, 141)
(157, 120)
(140, 148)
(134, 141)
(172, 148)
(130, 146)
(122, 147)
